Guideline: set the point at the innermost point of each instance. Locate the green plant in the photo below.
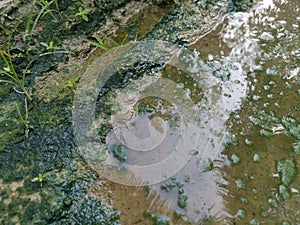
(83, 14)
(71, 84)
(49, 46)
(45, 9)
(8, 71)
(24, 119)
(40, 178)
(104, 44)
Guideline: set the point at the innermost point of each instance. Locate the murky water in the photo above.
(237, 88)
(244, 168)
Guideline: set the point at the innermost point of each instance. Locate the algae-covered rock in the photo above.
(287, 170)
(157, 219)
(93, 211)
(292, 126)
(296, 148)
(273, 202)
(162, 220)
(242, 214)
(284, 193)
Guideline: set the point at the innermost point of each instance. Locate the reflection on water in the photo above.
(253, 59)
(257, 190)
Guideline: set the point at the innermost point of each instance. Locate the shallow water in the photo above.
(253, 58)
(265, 41)
(237, 88)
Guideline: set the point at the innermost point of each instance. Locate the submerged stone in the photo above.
(287, 170)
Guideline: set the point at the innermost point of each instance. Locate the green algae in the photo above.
(244, 200)
(287, 169)
(284, 193)
(296, 148)
(172, 183)
(49, 149)
(92, 211)
(235, 159)
(242, 214)
(248, 142)
(254, 221)
(292, 126)
(204, 164)
(177, 25)
(157, 219)
(182, 201)
(273, 202)
(119, 152)
(266, 121)
(286, 223)
(257, 158)
(241, 184)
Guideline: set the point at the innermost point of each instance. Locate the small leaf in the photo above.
(51, 45)
(86, 11)
(35, 179)
(7, 69)
(40, 177)
(85, 18)
(44, 44)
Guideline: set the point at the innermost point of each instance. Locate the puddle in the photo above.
(230, 102)
(249, 145)
(265, 41)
